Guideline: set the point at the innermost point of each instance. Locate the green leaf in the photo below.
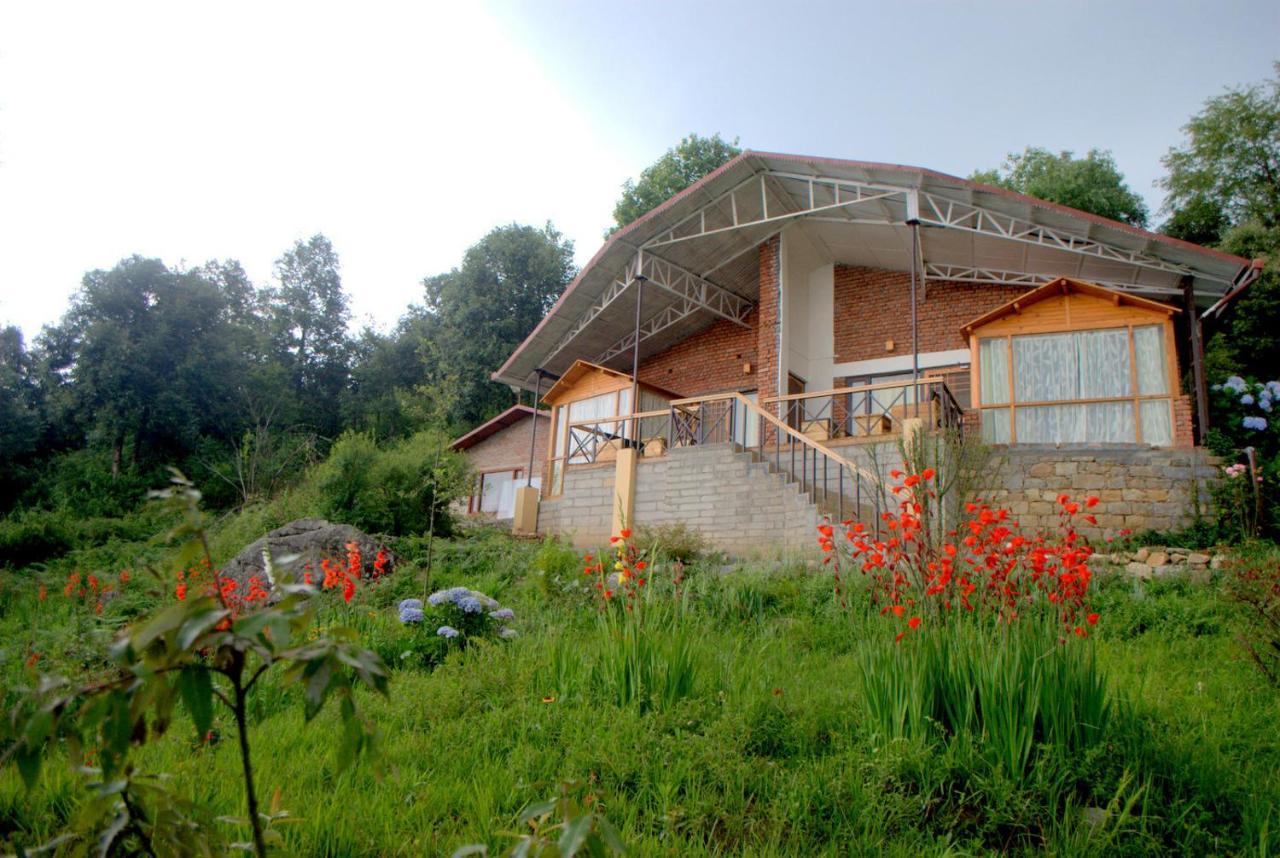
(610, 834)
(317, 688)
(575, 834)
(470, 849)
(163, 623)
(197, 624)
(537, 810)
(109, 834)
(28, 760)
(196, 686)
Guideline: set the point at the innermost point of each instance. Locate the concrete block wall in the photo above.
(736, 503)
(1138, 488)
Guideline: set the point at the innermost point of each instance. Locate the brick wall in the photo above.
(767, 323)
(710, 361)
(1138, 488)
(873, 305)
(509, 448)
(1183, 433)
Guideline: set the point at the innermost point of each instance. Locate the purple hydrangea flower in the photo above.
(470, 605)
(411, 615)
(411, 603)
(1247, 399)
(1256, 423)
(447, 632)
(1235, 383)
(503, 614)
(453, 594)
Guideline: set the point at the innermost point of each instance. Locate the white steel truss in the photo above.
(695, 293)
(968, 274)
(952, 214)
(795, 195)
(747, 204)
(672, 315)
(688, 286)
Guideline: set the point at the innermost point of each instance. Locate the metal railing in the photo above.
(869, 410)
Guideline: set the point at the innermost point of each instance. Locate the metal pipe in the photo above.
(915, 332)
(533, 435)
(635, 360)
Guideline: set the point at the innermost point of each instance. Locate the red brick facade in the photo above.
(767, 326)
(873, 306)
(1183, 434)
(508, 448)
(710, 361)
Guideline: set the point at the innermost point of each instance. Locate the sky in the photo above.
(406, 131)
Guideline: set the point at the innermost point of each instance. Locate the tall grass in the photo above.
(1013, 690)
(647, 652)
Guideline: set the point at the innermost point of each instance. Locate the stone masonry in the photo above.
(1139, 488)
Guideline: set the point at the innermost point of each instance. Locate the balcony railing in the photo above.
(870, 410)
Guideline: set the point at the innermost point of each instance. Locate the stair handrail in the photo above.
(788, 430)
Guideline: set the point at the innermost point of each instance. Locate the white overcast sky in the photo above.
(405, 131)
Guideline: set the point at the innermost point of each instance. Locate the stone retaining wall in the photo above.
(1139, 488)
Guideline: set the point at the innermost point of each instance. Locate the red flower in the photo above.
(1091, 502)
(44, 594)
(1092, 619)
(914, 622)
(928, 473)
(124, 576)
(626, 533)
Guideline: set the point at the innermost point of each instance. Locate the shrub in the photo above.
(677, 541)
(1252, 581)
(404, 489)
(1246, 432)
(35, 536)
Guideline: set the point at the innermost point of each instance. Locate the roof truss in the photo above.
(967, 274)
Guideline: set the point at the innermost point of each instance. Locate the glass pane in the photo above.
(1148, 348)
(1157, 423)
(1110, 422)
(1045, 369)
(993, 366)
(1051, 424)
(1104, 363)
(995, 425)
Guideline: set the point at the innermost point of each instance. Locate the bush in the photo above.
(1252, 581)
(676, 541)
(406, 488)
(1246, 433)
(35, 537)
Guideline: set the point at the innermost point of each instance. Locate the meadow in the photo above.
(743, 720)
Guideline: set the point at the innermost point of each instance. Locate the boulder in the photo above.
(1196, 559)
(1156, 558)
(1139, 570)
(302, 543)
(1140, 556)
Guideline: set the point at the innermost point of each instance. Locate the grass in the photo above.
(746, 728)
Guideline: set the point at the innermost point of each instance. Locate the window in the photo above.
(1109, 385)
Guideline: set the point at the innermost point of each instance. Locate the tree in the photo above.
(476, 314)
(308, 323)
(1092, 184)
(1223, 189)
(687, 162)
(1231, 158)
(21, 420)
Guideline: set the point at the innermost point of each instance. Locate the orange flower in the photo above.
(44, 593)
(626, 533)
(124, 576)
(1092, 619)
(914, 622)
(928, 473)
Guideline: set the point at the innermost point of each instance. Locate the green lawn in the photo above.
(772, 753)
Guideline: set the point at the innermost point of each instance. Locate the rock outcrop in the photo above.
(305, 543)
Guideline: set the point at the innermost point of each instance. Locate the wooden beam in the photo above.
(1201, 392)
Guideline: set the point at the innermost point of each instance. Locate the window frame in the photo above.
(1011, 406)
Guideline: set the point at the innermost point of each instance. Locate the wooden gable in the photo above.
(1069, 305)
(583, 380)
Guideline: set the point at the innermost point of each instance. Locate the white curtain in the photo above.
(1157, 422)
(1148, 347)
(1045, 368)
(993, 368)
(995, 425)
(1110, 422)
(1104, 363)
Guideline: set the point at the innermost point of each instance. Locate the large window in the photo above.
(1106, 385)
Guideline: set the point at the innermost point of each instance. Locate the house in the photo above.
(498, 452)
(780, 324)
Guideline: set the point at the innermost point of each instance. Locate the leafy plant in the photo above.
(566, 825)
(203, 650)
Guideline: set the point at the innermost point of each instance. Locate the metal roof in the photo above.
(695, 252)
(493, 426)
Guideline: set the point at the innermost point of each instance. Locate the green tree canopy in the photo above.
(1092, 184)
(476, 314)
(1231, 158)
(681, 166)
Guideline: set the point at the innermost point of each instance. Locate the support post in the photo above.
(624, 490)
(914, 223)
(635, 357)
(1201, 392)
